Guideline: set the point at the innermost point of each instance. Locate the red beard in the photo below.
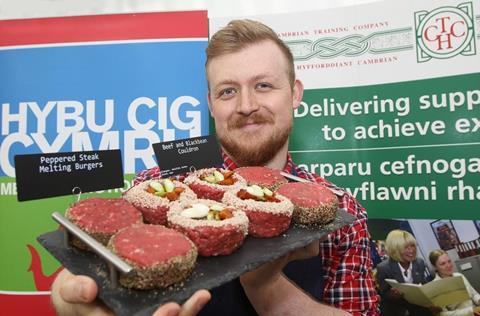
(253, 150)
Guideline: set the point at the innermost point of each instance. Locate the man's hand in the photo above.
(271, 293)
(309, 251)
(190, 308)
(75, 295)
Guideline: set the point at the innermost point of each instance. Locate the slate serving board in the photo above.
(209, 272)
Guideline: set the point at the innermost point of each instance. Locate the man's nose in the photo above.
(247, 103)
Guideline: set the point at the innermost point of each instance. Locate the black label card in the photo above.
(48, 175)
(185, 155)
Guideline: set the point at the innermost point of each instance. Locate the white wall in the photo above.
(466, 230)
(14, 9)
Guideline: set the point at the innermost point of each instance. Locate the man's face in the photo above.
(251, 101)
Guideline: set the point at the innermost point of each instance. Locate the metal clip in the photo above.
(78, 191)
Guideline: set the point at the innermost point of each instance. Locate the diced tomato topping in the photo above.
(228, 174)
(224, 214)
(271, 199)
(178, 190)
(172, 196)
(241, 194)
(244, 195)
(227, 181)
(150, 190)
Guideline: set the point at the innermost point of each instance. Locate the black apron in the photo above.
(230, 299)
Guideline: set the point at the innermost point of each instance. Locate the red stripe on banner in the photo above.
(111, 27)
(11, 304)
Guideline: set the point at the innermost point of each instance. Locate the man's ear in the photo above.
(297, 93)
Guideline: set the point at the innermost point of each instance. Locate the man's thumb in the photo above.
(79, 289)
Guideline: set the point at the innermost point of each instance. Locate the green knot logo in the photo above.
(445, 32)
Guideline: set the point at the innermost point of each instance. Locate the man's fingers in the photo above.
(190, 308)
(75, 295)
(169, 309)
(195, 303)
(78, 289)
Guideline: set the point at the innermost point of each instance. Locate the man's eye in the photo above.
(227, 92)
(263, 86)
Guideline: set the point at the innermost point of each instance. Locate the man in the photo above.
(251, 97)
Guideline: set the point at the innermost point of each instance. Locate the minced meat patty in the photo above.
(160, 256)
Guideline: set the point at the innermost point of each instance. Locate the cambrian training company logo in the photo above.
(445, 32)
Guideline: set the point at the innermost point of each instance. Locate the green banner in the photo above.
(405, 150)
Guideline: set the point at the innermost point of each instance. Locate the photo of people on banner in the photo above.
(445, 233)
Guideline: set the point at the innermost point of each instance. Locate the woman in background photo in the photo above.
(404, 266)
(444, 268)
